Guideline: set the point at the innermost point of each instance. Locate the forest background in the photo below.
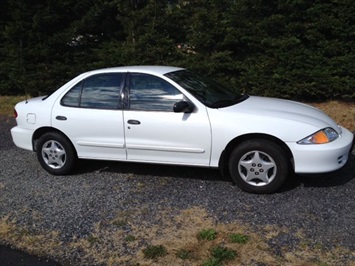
(295, 49)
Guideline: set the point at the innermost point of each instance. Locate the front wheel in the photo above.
(258, 166)
(55, 153)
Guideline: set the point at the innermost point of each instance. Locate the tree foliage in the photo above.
(295, 49)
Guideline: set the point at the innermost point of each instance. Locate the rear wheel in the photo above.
(258, 166)
(55, 153)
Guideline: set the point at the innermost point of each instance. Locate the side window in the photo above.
(98, 92)
(72, 98)
(150, 93)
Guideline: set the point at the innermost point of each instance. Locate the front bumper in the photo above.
(322, 158)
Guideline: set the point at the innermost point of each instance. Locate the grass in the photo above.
(207, 234)
(130, 238)
(222, 254)
(184, 254)
(7, 104)
(175, 241)
(154, 252)
(119, 223)
(239, 238)
(342, 112)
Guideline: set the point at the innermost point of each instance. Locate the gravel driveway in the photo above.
(321, 207)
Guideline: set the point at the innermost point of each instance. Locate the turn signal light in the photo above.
(323, 136)
(319, 138)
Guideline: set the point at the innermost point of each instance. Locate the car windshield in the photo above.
(207, 91)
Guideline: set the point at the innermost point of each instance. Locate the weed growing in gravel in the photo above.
(119, 223)
(130, 238)
(154, 252)
(207, 234)
(92, 240)
(220, 255)
(322, 264)
(239, 238)
(184, 254)
(212, 262)
(223, 254)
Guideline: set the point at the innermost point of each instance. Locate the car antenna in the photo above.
(26, 96)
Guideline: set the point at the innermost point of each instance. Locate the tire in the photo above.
(258, 166)
(56, 154)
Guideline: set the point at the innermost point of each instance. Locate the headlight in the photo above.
(322, 136)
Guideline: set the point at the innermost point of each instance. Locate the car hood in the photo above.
(284, 110)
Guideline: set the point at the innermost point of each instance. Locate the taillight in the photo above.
(15, 113)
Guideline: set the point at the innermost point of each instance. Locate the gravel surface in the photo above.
(321, 206)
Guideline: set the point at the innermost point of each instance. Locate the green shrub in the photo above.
(212, 262)
(207, 234)
(154, 252)
(183, 254)
(239, 238)
(223, 254)
(220, 255)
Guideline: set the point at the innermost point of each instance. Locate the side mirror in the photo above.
(183, 107)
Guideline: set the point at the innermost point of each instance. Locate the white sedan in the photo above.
(169, 115)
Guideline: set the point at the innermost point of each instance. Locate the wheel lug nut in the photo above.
(253, 165)
(259, 165)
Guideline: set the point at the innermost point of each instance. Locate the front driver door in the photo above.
(155, 133)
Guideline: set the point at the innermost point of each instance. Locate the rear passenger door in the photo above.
(90, 114)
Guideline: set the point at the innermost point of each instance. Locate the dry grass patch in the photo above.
(342, 112)
(41, 244)
(6, 227)
(7, 104)
(173, 240)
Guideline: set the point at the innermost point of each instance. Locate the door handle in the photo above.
(133, 122)
(60, 117)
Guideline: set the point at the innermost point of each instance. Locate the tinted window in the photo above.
(72, 98)
(99, 92)
(151, 93)
(206, 90)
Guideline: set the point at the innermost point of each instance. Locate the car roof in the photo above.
(160, 70)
